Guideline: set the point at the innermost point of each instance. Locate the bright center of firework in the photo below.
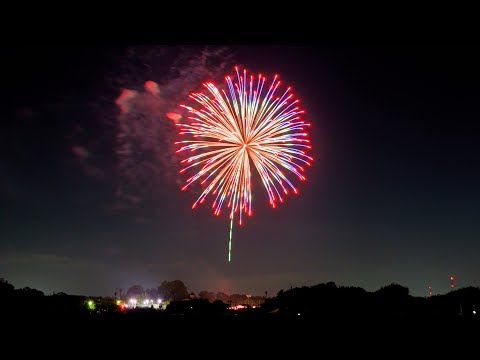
(249, 123)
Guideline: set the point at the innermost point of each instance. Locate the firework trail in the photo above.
(249, 123)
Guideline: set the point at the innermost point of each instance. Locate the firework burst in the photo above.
(248, 123)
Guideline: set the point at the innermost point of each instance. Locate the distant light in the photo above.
(159, 301)
(474, 312)
(298, 314)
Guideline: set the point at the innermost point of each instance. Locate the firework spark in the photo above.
(231, 130)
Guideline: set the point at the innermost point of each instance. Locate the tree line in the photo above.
(322, 301)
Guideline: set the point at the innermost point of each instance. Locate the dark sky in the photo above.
(392, 196)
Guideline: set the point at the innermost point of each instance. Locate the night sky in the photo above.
(392, 195)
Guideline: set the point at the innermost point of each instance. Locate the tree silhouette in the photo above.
(173, 290)
(135, 291)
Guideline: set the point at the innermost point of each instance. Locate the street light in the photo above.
(133, 302)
